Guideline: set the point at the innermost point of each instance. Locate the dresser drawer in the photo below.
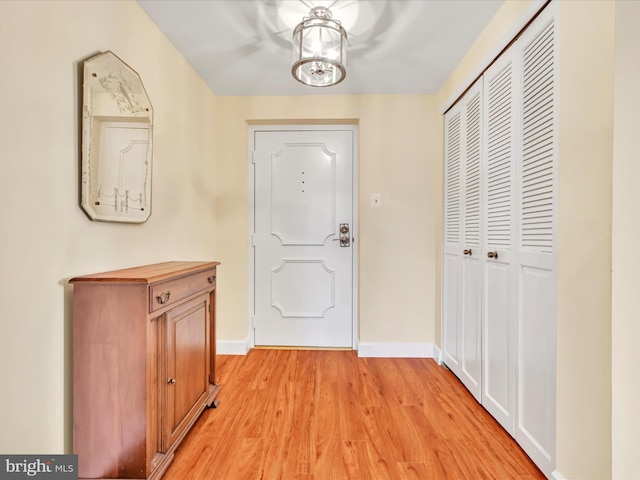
(172, 291)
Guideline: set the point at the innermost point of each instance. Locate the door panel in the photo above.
(471, 335)
(536, 422)
(498, 330)
(452, 265)
(303, 273)
(462, 346)
(303, 288)
(303, 194)
(187, 369)
(499, 290)
(471, 345)
(536, 389)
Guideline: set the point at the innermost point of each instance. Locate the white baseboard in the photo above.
(556, 475)
(437, 354)
(398, 350)
(365, 349)
(232, 347)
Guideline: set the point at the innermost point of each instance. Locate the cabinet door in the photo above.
(187, 336)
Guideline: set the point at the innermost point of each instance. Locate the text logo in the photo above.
(50, 467)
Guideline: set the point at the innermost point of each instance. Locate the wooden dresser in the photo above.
(143, 365)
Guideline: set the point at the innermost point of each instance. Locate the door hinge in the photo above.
(253, 157)
(253, 321)
(253, 239)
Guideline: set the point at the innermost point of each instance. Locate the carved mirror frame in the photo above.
(117, 141)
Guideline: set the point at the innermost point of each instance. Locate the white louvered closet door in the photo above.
(452, 263)
(499, 292)
(462, 267)
(471, 332)
(500, 201)
(536, 255)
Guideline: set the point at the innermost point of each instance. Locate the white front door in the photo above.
(303, 237)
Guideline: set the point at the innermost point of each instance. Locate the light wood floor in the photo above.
(295, 414)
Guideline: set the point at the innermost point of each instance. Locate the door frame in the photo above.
(296, 126)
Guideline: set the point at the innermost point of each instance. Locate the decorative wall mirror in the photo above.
(117, 134)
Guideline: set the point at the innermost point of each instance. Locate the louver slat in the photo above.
(452, 174)
(499, 165)
(536, 213)
(472, 191)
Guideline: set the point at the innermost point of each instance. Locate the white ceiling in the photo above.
(243, 47)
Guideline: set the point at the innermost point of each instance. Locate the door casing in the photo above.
(354, 228)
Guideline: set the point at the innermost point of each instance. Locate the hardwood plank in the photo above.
(329, 415)
(198, 464)
(330, 463)
(380, 458)
(327, 419)
(301, 437)
(354, 453)
(412, 471)
(249, 455)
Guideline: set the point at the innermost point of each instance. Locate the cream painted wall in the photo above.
(584, 239)
(45, 237)
(398, 145)
(626, 231)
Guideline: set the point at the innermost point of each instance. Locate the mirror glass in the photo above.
(117, 133)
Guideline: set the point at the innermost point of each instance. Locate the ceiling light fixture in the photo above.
(319, 49)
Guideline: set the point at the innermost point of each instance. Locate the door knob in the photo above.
(493, 254)
(171, 381)
(467, 251)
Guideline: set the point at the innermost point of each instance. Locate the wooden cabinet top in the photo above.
(148, 273)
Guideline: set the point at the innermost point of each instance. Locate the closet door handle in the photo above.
(493, 254)
(467, 251)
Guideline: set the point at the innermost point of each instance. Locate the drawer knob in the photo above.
(211, 279)
(163, 298)
(171, 381)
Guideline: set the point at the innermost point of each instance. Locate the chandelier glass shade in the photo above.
(319, 49)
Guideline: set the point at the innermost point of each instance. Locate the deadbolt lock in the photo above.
(345, 236)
